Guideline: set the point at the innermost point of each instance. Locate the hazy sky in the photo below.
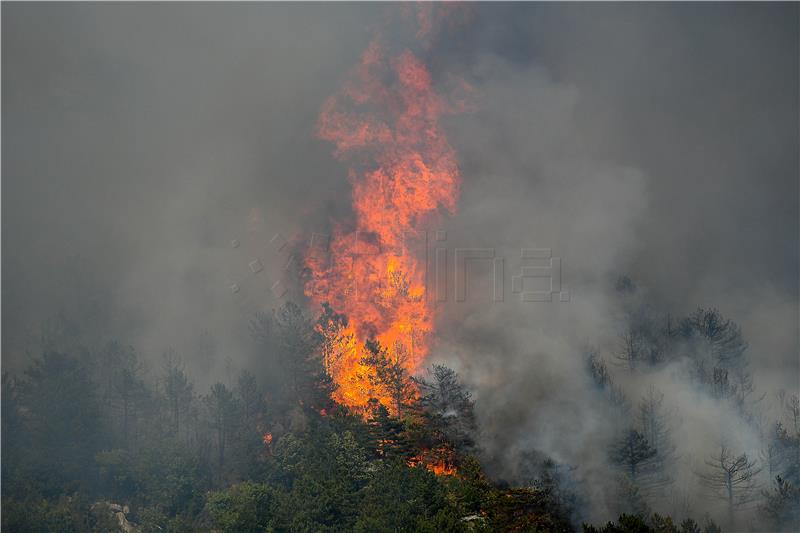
(140, 139)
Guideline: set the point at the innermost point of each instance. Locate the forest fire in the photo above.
(385, 124)
(400, 267)
(441, 469)
(438, 461)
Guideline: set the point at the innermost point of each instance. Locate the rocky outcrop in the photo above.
(119, 512)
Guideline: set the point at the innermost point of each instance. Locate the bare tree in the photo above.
(732, 478)
(630, 350)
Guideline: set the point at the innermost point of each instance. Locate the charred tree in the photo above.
(731, 478)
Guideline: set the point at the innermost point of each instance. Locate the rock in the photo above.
(118, 512)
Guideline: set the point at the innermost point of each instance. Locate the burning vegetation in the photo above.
(385, 125)
(348, 426)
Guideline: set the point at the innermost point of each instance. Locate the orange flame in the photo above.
(441, 469)
(439, 461)
(385, 124)
(267, 438)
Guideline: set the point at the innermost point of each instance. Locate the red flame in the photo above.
(267, 438)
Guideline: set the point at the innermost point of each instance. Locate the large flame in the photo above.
(385, 124)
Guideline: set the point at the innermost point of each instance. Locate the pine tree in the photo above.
(128, 392)
(335, 339)
(447, 407)
(655, 427)
(177, 391)
(300, 351)
(784, 454)
(781, 507)
(633, 454)
(721, 336)
(388, 375)
(388, 434)
(717, 348)
(223, 416)
(62, 416)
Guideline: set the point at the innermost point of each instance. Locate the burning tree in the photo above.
(385, 123)
(388, 374)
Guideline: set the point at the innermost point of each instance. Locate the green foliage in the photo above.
(299, 345)
(471, 488)
(388, 434)
(351, 458)
(654, 524)
(223, 415)
(153, 520)
(525, 509)
(68, 514)
(625, 524)
(318, 504)
(61, 426)
(400, 498)
(244, 508)
(447, 407)
(239, 457)
(168, 478)
(178, 391)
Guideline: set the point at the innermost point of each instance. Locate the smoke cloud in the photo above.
(156, 157)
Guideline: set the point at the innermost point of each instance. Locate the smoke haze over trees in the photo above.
(163, 179)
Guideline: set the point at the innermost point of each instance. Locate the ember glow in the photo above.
(385, 124)
(439, 461)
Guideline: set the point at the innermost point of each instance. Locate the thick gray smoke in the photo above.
(630, 140)
(140, 142)
(658, 141)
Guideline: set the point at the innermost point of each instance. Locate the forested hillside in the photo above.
(95, 440)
